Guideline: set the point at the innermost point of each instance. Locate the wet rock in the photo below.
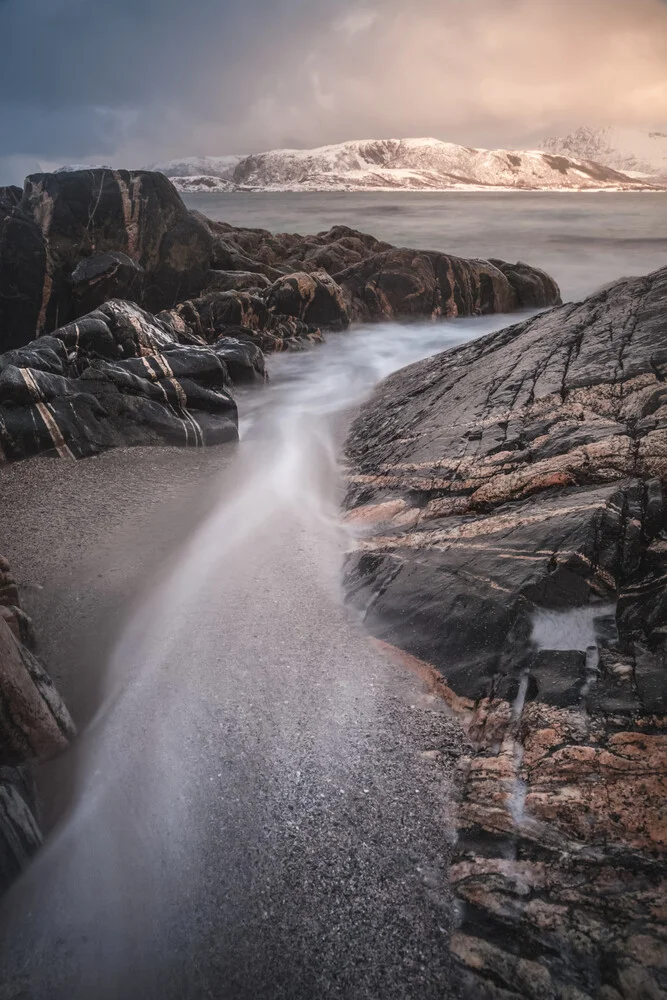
(242, 315)
(314, 298)
(521, 475)
(34, 725)
(240, 281)
(65, 218)
(109, 275)
(242, 358)
(534, 288)
(22, 270)
(399, 284)
(20, 836)
(70, 241)
(117, 377)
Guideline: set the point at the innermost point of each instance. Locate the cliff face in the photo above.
(509, 501)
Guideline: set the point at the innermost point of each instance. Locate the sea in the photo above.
(584, 240)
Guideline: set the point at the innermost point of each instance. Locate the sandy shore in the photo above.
(257, 813)
(84, 539)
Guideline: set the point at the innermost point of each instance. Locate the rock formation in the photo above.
(126, 318)
(72, 240)
(509, 501)
(34, 726)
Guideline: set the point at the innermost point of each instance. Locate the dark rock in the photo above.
(109, 275)
(534, 289)
(236, 281)
(241, 315)
(20, 836)
(22, 271)
(522, 472)
(34, 725)
(66, 217)
(118, 376)
(242, 358)
(313, 298)
(10, 196)
(398, 284)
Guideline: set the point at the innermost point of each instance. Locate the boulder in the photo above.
(117, 377)
(242, 315)
(20, 836)
(410, 284)
(34, 725)
(313, 298)
(65, 218)
(22, 274)
(503, 493)
(236, 281)
(106, 276)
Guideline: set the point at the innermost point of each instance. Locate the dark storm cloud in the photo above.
(131, 81)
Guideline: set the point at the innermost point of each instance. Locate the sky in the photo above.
(133, 82)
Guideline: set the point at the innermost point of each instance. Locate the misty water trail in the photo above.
(251, 817)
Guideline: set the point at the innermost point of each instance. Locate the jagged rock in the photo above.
(239, 281)
(10, 196)
(314, 298)
(244, 316)
(519, 476)
(34, 725)
(64, 218)
(20, 836)
(243, 359)
(22, 270)
(118, 376)
(410, 284)
(106, 276)
(533, 288)
(75, 239)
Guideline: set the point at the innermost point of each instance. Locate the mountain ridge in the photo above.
(640, 152)
(398, 164)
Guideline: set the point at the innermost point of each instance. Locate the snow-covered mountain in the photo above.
(628, 150)
(205, 170)
(396, 164)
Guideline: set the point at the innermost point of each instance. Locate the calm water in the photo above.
(583, 240)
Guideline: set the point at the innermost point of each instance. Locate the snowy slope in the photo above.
(199, 166)
(397, 164)
(622, 149)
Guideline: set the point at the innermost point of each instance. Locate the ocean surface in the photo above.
(583, 240)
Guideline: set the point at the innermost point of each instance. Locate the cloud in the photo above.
(139, 80)
(357, 21)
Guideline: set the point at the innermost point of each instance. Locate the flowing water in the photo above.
(252, 816)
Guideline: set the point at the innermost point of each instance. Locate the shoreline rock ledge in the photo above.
(127, 319)
(508, 498)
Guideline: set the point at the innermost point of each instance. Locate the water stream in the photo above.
(237, 765)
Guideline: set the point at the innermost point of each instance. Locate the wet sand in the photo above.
(85, 539)
(258, 815)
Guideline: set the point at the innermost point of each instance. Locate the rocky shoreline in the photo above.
(496, 487)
